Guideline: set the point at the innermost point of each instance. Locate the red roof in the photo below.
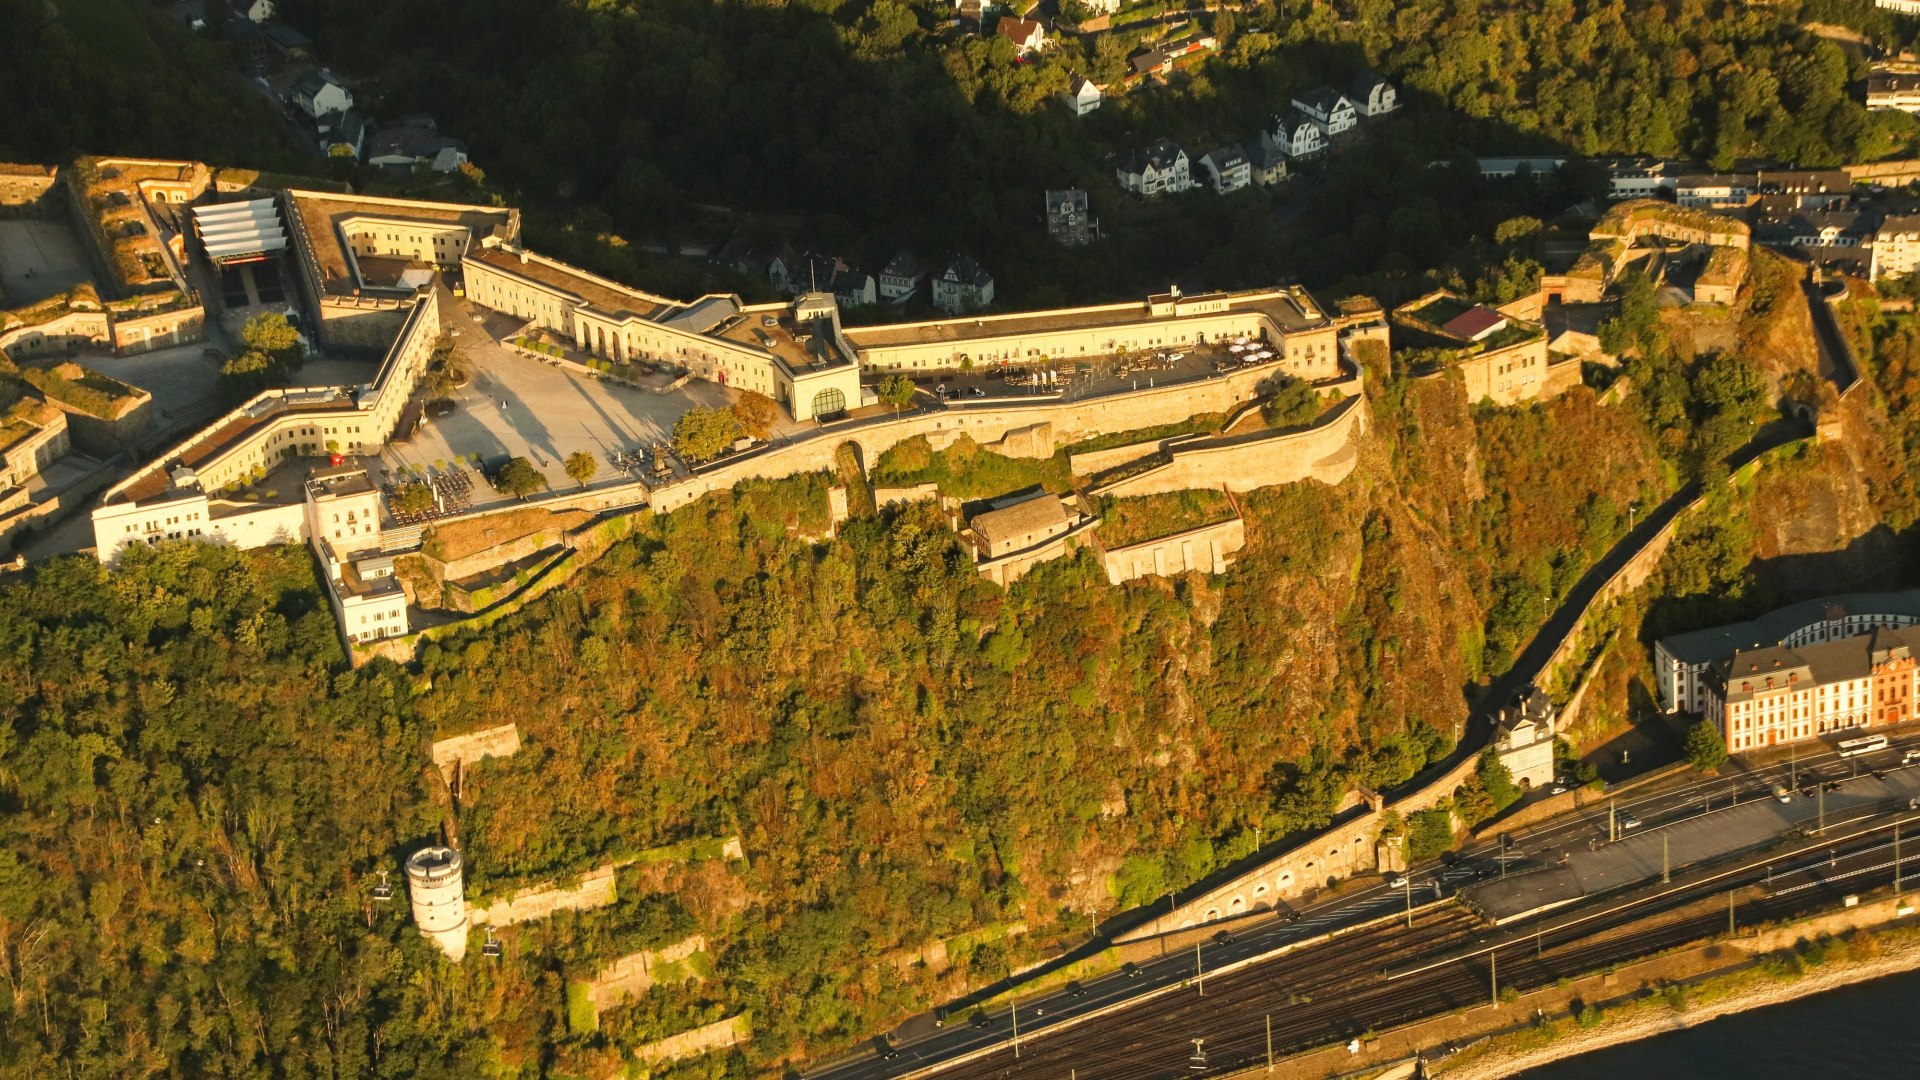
(1475, 323)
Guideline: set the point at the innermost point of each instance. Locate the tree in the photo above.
(897, 391)
(1497, 779)
(1295, 404)
(704, 434)
(756, 413)
(411, 498)
(519, 478)
(581, 466)
(270, 333)
(1704, 747)
(247, 373)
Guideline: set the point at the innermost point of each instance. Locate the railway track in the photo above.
(1325, 996)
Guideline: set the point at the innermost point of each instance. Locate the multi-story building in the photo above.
(900, 278)
(1082, 96)
(1289, 319)
(1681, 661)
(1228, 168)
(1068, 221)
(1160, 168)
(1330, 110)
(1298, 135)
(1896, 246)
(1372, 95)
(1897, 90)
(962, 286)
(1639, 178)
(344, 522)
(1774, 695)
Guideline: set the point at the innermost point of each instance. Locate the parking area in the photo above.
(515, 406)
(1090, 376)
(39, 259)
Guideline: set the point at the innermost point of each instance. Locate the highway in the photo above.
(1305, 967)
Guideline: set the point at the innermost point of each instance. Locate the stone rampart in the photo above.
(26, 187)
(884, 497)
(594, 890)
(162, 330)
(502, 741)
(70, 332)
(1205, 549)
(1324, 452)
(1095, 462)
(715, 1036)
(633, 974)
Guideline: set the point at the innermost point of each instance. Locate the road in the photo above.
(1299, 961)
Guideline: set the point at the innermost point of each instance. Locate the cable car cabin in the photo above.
(492, 947)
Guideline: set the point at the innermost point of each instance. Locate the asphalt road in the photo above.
(918, 1047)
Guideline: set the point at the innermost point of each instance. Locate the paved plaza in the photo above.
(38, 259)
(515, 406)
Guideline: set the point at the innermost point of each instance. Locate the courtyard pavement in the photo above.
(39, 259)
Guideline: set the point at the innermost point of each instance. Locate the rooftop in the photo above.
(317, 214)
(604, 296)
(1291, 310)
(798, 346)
(1751, 672)
(1714, 643)
(1030, 515)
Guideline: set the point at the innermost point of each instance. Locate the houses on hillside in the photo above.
(1160, 168)
(1027, 35)
(901, 277)
(962, 286)
(1068, 221)
(1082, 96)
(1227, 169)
(1893, 86)
(318, 93)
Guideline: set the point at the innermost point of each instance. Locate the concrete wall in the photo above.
(501, 741)
(632, 975)
(56, 337)
(595, 890)
(715, 1036)
(1325, 453)
(1204, 549)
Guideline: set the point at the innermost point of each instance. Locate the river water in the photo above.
(1868, 1030)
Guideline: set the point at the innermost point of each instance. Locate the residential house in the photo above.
(1372, 95)
(852, 289)
(318, 93)
(1160, 59)
(1330, 110)
(343, 135)
(415, 142)
(1298, 136)
(1159, 169)
(1228, 168)
(1893, 89)
(1903, 7)
(1809, 189)
(1266, 160)
(900, 278)
(1506, 168)
(1082, 96)
(1067, 219)
(1813, 229)
(963, 286)
(259, 11)
(1896, 246)
(810, 272)
(1028, 36)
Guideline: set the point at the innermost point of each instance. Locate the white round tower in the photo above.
(439, 896)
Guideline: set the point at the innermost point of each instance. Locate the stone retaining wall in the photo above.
(1325, 452)
(594, 890)
(502, 741)
(1204, 549)
(715, 1036)
(632, 975)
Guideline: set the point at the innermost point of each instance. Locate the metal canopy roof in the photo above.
(240, 230)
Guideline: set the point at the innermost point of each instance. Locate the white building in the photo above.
(259, 11)
(1639, 178)
(1330, 110)
(319, 93)
(900, 278)
(1372, 95)
(1082, 96)
(1681, 661)
(963, 286)
(1159, 169)
(1524, 734)
(1896, 247)
(1227, 168)
(1298, 136)
(1894, 89)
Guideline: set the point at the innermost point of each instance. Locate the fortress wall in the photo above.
(74, 330)
(715, 1036)
(632, 975)
(595, 890)
(166, 329)
(502, 741)
(1324, 453)
(1205, 549)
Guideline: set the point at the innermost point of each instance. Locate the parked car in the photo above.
(1628, 821)
(1397, 881)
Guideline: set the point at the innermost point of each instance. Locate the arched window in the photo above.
(830, 400)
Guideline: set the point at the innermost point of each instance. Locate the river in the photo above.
(1868, 1030)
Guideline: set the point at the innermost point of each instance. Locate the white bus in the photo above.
(1866, 745)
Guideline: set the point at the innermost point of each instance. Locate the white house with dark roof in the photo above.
(318, 93)
(1227, 168)
(1372, 95)
(1298, 136)
(1082, 96)
(1160, 168)
(962, 286)
(1330, 110)
(900, 278)
(258, 11)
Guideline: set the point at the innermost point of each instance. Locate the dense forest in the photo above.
(865, 125)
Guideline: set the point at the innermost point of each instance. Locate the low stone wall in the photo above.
(1204, 549)
(715, 1036)
(884, 497)
(502, 741)
(69, 333)
(1095, 462)
(1325, 452)
(163, 330)
(27, 187)
(595, 890)
(633, 974)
